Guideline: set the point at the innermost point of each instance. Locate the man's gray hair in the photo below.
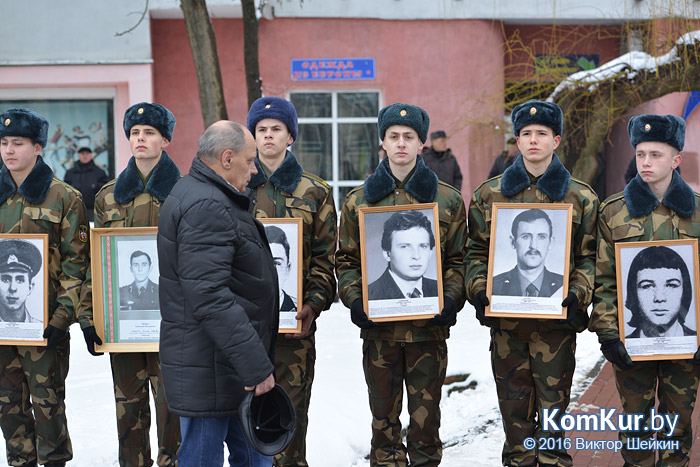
(219, 137)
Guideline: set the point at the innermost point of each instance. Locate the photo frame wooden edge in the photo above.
(45, 268)
(621, 309)
(96, 234)
(438, 258)
(492, 248)
(300, 262)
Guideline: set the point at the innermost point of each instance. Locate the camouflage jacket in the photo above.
(291, 192)
(632, 216)
(126, 202)
(44, 204)
(380, 189)
(516, 185)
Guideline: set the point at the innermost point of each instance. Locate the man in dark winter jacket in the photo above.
(439, 159)
(219, 299)
(87, 178)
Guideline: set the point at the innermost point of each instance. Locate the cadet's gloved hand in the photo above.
(480, 303)
(571, 304)
(358, 316)
(92, 339)
(615, 352)
(448, 316)
(54, 335)
(696, 358)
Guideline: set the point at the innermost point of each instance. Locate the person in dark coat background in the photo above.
(87, 178)
(219, 299)
(439, 159)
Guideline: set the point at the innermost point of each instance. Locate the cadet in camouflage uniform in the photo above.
(656, 205)
(33, 201)
(395, 353)
(134, 199)
(533, 360)
(282, 190)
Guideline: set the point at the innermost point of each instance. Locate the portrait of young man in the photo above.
(531, 236)
(142, 293)
(279, 245)
(657, 204)
(20, 261)
(408, 244)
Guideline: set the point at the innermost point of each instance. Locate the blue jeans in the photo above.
(202, 444)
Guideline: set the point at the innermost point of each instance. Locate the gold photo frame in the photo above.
(657, 298)
(528, 271)
(125, 303)
(408, 288)
(24, 293)
(289, 230)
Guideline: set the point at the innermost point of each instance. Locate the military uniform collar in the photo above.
(162, 179)
(554, 182)
(285, 178)
(422, 185)
(34, 188)
(640, 200)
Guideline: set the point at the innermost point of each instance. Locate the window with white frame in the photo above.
(338, 137)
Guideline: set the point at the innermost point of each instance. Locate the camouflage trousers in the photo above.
(32, 404)
(532, 372)
(295, 360)
(676, 382)
(131, 374)
(421, 366)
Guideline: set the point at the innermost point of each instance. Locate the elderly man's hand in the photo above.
(262, 388)
(307, 316)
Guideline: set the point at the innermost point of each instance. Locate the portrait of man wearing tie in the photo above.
(408, 245)
(142, 293)
(531, 238)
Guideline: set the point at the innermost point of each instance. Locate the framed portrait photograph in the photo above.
(125, 303)
(285, 238)
(24, 282)
(528, 270)
(401, 265)
(657, 298)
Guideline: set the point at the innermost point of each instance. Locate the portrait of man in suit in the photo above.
(279, 245)
(408, 245)
(142, 293)
(531, 238)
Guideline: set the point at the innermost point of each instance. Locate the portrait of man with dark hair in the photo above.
(279, 245)
(142, 293)
(659, 293)
(20, 261)
(531, 238)
(408, 245)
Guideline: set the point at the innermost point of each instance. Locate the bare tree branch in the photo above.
(143, 16)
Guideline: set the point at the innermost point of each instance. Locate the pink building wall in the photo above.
(453, 69)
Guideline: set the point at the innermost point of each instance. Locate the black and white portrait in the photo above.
(401, 262)
(21, 281)
(530, 257)
(283, 238)
(138, 286)
(659, 299)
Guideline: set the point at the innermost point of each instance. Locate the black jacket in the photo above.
(218, 296)
(385, 288)
(87, 179)
(445, 166)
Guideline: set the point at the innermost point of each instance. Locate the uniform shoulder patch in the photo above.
(83, 233)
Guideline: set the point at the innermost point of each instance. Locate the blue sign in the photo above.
(332, 69)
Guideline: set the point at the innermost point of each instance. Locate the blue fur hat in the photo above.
(273, 107)
(404, 114)
(667, 129)
(27, 123)
(154, 115)
(537, 113)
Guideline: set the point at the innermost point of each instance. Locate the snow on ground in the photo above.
(339, 426)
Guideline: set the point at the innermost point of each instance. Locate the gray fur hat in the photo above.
(406, 115)
(534, 112)
(154, 115)
(667, 129)
(27, 123)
